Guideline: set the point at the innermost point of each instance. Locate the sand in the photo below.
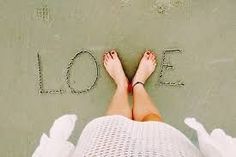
(58, 30)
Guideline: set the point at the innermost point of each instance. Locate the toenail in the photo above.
(148, 53)
(112, 52)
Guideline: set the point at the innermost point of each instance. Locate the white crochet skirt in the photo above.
(118, 136)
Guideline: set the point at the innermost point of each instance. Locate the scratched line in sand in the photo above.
(164, 67)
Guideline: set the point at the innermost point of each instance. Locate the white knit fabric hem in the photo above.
(119, 136)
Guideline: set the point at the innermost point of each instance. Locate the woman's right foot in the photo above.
(146, 67)
(114, 68)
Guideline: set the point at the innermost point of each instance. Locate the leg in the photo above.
(144, 109)
(119, 104)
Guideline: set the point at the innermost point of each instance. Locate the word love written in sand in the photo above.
(42, 90)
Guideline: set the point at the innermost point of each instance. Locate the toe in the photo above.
(152, 56)
(147, 54)
(108, 56)
(154, 61)
(113, 54)
(104, 55)
(105, 60)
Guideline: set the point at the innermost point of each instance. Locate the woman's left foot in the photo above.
(146, 67)
(114, 68)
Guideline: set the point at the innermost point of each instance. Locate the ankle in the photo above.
(137, 83)
(138, 86)
(122, 87)
(138, 79)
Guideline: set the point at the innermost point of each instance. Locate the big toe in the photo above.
(147, 54)
(114, 54)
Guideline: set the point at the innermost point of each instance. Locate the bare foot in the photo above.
(114, 68)
(146, 67)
